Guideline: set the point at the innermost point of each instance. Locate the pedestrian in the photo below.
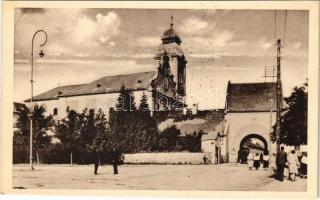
(266, 160)
(250, 160)
(115, 160)
(299, 155)
(304, 165)
(256, 161)
(261, 160)
(293, 163)
(204, 159)
(96, 162)
(281, 160)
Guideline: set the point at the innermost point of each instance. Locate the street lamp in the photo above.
(41, 54)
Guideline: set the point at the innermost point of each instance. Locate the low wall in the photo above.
(165, 158)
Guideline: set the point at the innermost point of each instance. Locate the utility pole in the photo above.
(279, 95)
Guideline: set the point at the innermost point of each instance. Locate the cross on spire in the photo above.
(171, 24)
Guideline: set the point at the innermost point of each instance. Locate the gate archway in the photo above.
(251, 142)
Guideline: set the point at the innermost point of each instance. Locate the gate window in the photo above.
(55, 111)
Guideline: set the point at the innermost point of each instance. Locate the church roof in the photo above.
(251, 97)
(109, 84)
(211, 129)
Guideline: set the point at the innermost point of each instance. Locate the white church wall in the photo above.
(79, 103)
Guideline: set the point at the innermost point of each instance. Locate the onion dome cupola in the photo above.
(171, 35)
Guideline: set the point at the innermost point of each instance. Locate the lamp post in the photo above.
(41, 54)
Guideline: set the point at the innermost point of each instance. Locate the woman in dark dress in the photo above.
(256, 161)
(266, 160)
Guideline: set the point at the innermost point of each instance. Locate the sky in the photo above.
(220, 45)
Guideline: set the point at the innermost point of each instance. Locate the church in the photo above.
(248, 116)
(164, 88)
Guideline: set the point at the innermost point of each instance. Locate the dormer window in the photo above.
(98, 85)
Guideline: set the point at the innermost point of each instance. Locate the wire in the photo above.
(284, 28)
(275, 26)
(275, 32)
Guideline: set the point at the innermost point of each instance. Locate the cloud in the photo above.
(194, 25)
(147, 41)
(221, 38)
(112, 44)
(297, 45)
(70, 31)
(103, 39)
(94, 33)
(217, 42)
(266, 45)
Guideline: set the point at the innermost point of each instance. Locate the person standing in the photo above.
(115, 159)
(299, 155)
(250, 160)
(204, 159)
(256, 161)
(304, 165)
(281, 160)
(293, 163)
(96, 162)
(265, 160)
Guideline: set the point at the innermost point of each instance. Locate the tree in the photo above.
(144, 106)
(132, 130)
(68, 132)
(100, 143)
(294, 118)
(41, 126)
(125, 101)
(168, 138)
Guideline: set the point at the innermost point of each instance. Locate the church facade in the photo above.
(165, 87)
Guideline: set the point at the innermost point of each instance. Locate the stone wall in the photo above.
(165, 158)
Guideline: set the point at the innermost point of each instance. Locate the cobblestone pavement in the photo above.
(224, 177)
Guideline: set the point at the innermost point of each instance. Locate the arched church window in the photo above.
(166, 84)
(181, 79)
(55, 111)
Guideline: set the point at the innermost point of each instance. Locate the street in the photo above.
(224, 177)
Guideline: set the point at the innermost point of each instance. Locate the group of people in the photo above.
(255, 160)
(296, 163)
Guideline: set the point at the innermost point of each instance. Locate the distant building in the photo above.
(165, 88)
(211, 124)
(251, 113)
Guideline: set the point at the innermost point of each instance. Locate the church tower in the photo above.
(170, 51)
